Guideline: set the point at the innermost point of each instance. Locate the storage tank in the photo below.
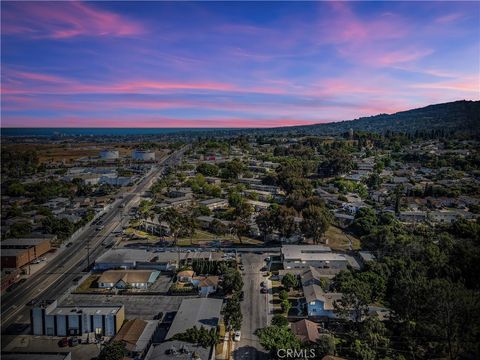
(109, 154)
(143, 155)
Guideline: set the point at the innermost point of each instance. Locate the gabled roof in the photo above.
(187, 273)
(306, 330)
(128, 276)
(312, 275)
(314, 292)
(207, 280)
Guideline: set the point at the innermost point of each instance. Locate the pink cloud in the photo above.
(447, 19)
(22, 82)
(470, 85)
(63, 20)
(154, 121)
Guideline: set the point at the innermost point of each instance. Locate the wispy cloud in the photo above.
(63, 20)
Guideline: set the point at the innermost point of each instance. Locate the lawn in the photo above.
(337, 239)
(204, 237)
(142, 235)
(89, 284)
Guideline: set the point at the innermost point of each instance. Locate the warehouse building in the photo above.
(54, 320)
(19, 252)
(143, 155)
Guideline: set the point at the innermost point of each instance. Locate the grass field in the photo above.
(337, 239)
(202, 236)
(68, 153)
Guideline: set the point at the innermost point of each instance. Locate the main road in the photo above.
(57, 276)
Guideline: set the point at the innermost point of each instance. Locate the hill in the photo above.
(457, 116)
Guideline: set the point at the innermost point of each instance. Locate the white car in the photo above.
(237, 336)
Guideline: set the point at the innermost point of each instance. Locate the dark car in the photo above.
(32, 302)
(264, 268)
(264, 290)
(63, 342)
(73, 341)
(242, 296)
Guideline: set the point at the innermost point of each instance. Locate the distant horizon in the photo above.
(232, 65)
(215, 128)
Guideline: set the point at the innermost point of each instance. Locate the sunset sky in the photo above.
(211, 64)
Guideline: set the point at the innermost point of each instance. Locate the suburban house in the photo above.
(206, 221)
(306, 331)
(312, 276)
(258, 205)
(215, 203)
(319, 303)
(121, 279)
(185, 276)
(181, 192)
(206, 284)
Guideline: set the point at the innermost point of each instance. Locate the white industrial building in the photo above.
(143, 155)
(54, 320)
(109, 154)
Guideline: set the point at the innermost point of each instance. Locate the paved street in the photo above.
(255, 309)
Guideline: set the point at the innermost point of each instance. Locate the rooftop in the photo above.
(26, 242)
(136, 334)
(53, 309)
(196, 312)
(128, 276)
(300, 251)
(306, 330)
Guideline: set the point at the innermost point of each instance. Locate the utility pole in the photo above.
(88, 253)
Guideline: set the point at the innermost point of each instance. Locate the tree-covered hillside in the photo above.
(458, 116)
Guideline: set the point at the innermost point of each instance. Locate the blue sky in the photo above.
(232, 64)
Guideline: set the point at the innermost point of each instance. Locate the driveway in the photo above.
(256, 309)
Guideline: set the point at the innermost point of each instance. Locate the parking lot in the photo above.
(162, 284)
(42, 344)
(136, 306)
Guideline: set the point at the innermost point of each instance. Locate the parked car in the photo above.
(32, 302)
(73, 341)
(36, 261)
(238, 335)
(242, 296)
(264, 290)
(264, 268)
(63, 342)
(262, 284)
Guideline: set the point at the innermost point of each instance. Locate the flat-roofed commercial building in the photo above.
(319, 256)
(19, 252)
(54, 320)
